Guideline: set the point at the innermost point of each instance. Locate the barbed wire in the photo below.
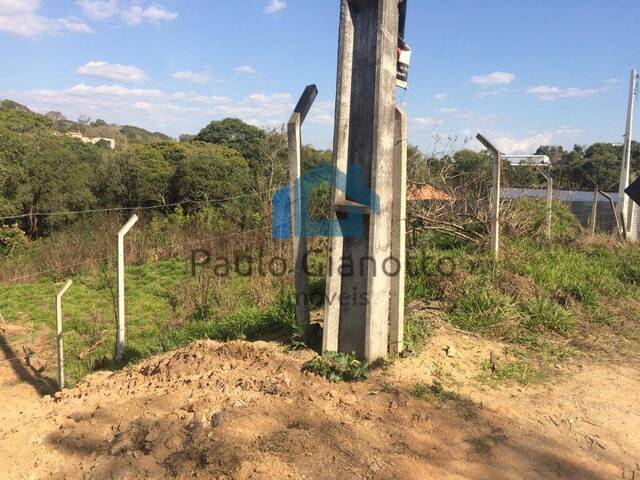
(52, 270)
(150, 207)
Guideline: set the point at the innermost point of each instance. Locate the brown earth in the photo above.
(247, 411)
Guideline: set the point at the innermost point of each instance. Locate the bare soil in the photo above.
(247, 411)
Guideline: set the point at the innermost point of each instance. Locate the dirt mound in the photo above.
(247, 411)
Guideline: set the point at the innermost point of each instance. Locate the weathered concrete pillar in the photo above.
(494, 242)
(398, 234)
(358, 290)
(594, 212)
(299, 232)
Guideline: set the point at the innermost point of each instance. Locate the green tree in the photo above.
(234, 133)
(216, 174)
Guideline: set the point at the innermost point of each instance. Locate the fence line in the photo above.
(99, 259)
(151, 207)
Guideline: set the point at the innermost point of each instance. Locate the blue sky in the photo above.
(523, 72)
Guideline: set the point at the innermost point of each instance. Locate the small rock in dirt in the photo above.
(449, 351)
(238, 404)
(173, 443)
(405, 353)
(245, 471)
(216, 419)
(349, 399)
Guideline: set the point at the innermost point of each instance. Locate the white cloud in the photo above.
(194, 77)
(20, 17)
(133, 14)
(322, 119)
(484, 93)
(115, 91)
(267, 99)
(612, 80)
(440, 96)
(154, 14)
(495, 78)
(275, 6)
(249, 70)
(173, 112)
(529, 144)
(113, 71)
(546, 93)
(568, 131)
(448, 111)
(526, 145)
(427, 122)
(99, 9)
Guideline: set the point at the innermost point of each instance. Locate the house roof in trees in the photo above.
(417, 192)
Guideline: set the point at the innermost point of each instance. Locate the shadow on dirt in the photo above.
(386, 435)
(43, 385)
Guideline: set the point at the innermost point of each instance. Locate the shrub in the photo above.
(338, 367)
(12, 240)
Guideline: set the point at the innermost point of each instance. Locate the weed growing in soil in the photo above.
(417, 331)
(522, 371)
(338, 367)
(435, 393)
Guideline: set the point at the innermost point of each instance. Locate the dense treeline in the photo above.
(579, 169)
(229, 165)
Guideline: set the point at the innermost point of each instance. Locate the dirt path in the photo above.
(246, 411)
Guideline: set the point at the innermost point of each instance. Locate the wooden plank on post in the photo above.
(398, 235)
(59, 343)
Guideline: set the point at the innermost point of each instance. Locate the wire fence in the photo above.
(141, 207)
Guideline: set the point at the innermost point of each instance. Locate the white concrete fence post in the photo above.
(494, 244)
(298, 223)
(594, 212)
(549, 213)
(59, 346)
(398, 234)
(625, 205)
(121, 325)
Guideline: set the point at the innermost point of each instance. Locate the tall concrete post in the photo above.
(358, 299)
(301, 278)
(398, 235)
(549, 212)
(59, 343)
(625, 206)
(494, 242)
(594, 212)
(121, 326)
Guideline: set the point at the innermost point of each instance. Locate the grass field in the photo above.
(545, 299)
(157, 298)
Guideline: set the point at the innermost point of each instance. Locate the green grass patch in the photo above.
(226, 310)
(521, 371)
